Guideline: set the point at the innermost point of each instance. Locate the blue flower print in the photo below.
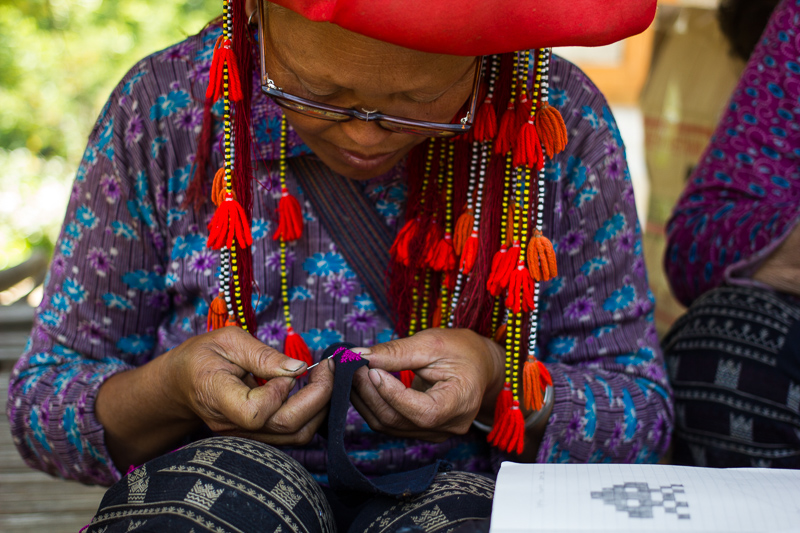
(593, 265)
(155, 146)
(324, 264)
(141, 185)
(67, 247)
(136, 344)
(106, 135)
(300, 293)
(588, 114)
(612, 126)
(260, 302)
(74, 290)
(554, 286)
(200, 306)
(610, 228)
(575, 172)
(86, 217)
(128, 87)
(187, 245)
(364, 302)
(586, 195)
(141, 211)
(602, 330)
(144, 281)
(124, 230)
(50, 318)
(219, 109)
(620, 299)
(385, 335)
(116, 301)
(90, 156)
(607, 388)
(260, 228)
(73, 230)
(174, 215)
(64, 378)
(630, 415)
(319, 339)
(67, 354)
(590, 414)
(170, 279)
(71, 428)
(60, 303)
(642, 355)
(38, 430)
(558, 97)
(387, 209)
(180, 179)
(168, 104)
(561, 345)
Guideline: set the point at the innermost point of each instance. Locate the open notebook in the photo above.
(644, 498)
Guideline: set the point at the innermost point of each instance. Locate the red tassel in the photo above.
(223, 54)
(290, 218)
(523, 110)
(502, 269)
(399, 249)
(463, 229)
(296, 348)
(510, 431)
(551, 129)
(541, 258)
(217, 312)
(507, 132)
(485, 126)
(443, 256)
(407, 377)
(520, 290)
(229, 223)
(528, 148)
(501, 407)
(469, 253)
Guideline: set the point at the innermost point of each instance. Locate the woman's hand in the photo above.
(149, 410)
(214, 377)
(458, 375)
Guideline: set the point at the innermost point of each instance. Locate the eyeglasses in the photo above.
(342, 114)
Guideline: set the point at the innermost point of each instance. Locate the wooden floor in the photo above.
(31, 500)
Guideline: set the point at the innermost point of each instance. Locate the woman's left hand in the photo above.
(458, 375)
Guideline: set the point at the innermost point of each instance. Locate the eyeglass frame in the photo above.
(269, 88)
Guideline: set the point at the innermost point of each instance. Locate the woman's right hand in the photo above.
(213, 379)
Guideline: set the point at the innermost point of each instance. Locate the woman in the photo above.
(733, 257)
(121, 370)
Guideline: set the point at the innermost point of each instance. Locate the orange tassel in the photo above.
(469, 254)
(399, 249)
(502, 269)
(552, 130)
(290, 218)
(443, 255)
(541, 258)
(223, 54)
(229, 223)
(436, 321)
(407, 377)
(231, 321)
(485, 126)
(520, 290)
(528, 148)
(296, 348)
(507, 131)
(509, 433)
(510, 225)
(463, 229)
(535, 379)
(217, 312)
(218, 187)
(500, 333)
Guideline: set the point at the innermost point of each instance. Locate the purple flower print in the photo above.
(158, 300)
(274, 260)
(615, 168)
(572, 241)
(110, 187)
(616, 436)
(189, 118)
(75, 194)
(58, 265)
(98, 260)
(660, 433)
(641, 307)
(580, 308)
(134, 129)
(361, 320)
(202, 261)
(626, 240)
(573, 428)
(272, 333)
(421, 451)
(339, 286)
(627, 194)
(638, 267)
(92, 330)
(177, 53)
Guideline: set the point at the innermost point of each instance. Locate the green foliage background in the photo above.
(59, 60)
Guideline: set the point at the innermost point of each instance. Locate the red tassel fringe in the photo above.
(407, 377)
(223, 55)
(290, 218)
(296, 348)
(229, 223)
(528, 148)
(520, 290)
(469, 254)
(485, 126)
(508, 434)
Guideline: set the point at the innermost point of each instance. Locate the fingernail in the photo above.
(362, 351)
(331, 364)
(375, 377)
(292, 365)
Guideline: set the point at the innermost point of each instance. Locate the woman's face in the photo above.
(325, 63)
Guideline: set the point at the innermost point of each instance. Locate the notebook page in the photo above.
(644, 498)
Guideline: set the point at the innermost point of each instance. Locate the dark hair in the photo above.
(743, 21)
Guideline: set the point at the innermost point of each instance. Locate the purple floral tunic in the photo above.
(744, 196)
(131, 279)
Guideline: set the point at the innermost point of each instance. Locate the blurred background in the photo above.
(60, 59)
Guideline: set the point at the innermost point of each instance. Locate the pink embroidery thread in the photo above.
(346, 356)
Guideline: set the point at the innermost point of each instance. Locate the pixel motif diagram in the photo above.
(639, 500)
